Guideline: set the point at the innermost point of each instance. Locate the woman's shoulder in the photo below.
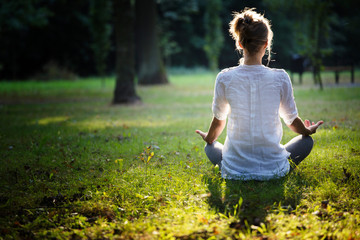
(279, 73)
(226, 73)
(277, 70)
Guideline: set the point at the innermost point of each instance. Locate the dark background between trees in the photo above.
(44, 39)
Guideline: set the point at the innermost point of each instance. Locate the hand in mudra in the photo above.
(312, 126)
(202, 134)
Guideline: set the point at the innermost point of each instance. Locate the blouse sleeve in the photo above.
(220, 105)
(288, 111)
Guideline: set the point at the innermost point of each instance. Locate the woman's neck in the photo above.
(253, 59)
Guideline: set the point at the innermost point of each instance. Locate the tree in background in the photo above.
(124, 35)
(345, 32)
(182, 32)
(150, 68)
(39, 33)
(313, 32)
(282, 24)
(173, 15)
(17, 19)
(100, 28)
(214, 37)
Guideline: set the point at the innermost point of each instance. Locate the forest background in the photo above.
(68, 39)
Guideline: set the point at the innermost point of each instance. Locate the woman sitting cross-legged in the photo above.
(253, 97)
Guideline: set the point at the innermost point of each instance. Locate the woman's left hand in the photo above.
(202, 134)
(214, 132)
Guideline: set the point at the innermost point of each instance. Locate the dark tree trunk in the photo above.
(125, 67)
(150, 67)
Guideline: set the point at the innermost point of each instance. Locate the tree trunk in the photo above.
(125, 67)
(150, 67)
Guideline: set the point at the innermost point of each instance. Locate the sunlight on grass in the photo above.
(84, 168)
(100, 124)
(49, 120)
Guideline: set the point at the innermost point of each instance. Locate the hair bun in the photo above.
(251, 31)
(247, 19)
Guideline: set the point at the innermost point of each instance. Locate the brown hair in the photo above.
(252, 30)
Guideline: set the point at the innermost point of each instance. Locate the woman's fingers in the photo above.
(307, 123)
(201, 133)
(320, 122)
(315, 126)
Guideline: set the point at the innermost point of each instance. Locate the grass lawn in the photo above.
(73, 166)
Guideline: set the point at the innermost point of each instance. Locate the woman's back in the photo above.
(255, 94)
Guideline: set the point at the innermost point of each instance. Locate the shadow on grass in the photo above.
(251, 201)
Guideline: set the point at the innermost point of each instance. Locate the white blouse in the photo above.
(254, 97)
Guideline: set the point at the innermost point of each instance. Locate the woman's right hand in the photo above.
(305, 128)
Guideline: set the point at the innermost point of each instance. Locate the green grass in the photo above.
(71, 167)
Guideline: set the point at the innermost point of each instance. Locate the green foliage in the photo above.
(178, 37)
(76, 34)
(314, 32)
(71, 167)
(37, 32)
(214, 36)
(22, 15)
(282, 24)
(99, 15)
